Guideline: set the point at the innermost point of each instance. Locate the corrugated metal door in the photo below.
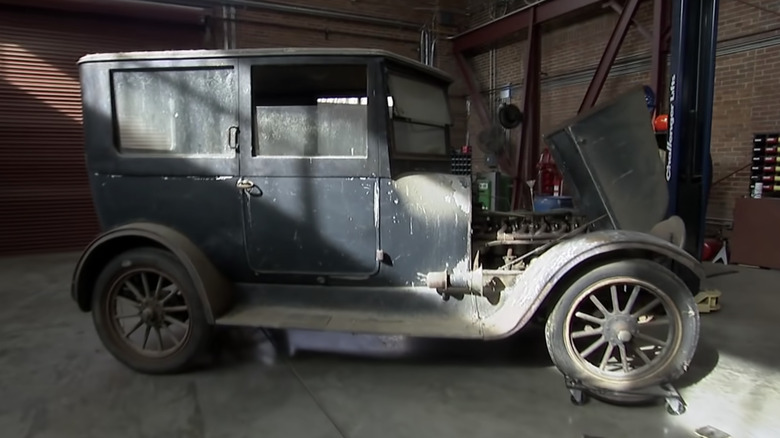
(45, 201)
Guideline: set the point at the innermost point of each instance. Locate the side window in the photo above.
(175, 111)
(420, 116)
(310, 110)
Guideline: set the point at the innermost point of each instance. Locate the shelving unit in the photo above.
(765, 171)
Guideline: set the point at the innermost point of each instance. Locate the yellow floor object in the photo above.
(708, 300)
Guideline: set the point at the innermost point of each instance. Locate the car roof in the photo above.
(243, 53)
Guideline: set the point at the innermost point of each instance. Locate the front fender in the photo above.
(520, 301)
(212, 287)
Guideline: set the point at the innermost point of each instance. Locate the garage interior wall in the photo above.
(747, 97)
(401, 34)
(45, 201)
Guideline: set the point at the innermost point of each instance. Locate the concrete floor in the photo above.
(56, 380)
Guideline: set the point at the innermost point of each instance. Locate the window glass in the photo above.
(310, 110)
(419, 139)
(419, 101)
(175, 111)
(420, 116)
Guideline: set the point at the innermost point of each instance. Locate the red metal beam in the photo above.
(641, 29)
(471, 85)
(505, 26)
(123, 8)
(485, 120)
(609, 55)
(528, 151)
(660, 48)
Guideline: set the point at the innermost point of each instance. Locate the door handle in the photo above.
(244, 184)
(233, 137)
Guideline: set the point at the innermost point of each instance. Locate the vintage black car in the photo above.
(315, 189)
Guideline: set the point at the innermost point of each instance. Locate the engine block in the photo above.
(501, 237)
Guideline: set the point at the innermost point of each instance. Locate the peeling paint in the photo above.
(376, 205)
(462, 196)
(462, 266)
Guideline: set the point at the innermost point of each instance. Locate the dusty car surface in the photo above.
(315, 189)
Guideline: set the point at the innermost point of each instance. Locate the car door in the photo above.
(172, 125)
(308, 166)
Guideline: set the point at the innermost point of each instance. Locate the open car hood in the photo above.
(609, 159)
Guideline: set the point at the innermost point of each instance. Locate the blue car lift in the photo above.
(691, 87)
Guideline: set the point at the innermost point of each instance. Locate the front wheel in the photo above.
(147, 312)
(626, 325)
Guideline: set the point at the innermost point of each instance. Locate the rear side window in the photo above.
(175, 111)
(310, 110)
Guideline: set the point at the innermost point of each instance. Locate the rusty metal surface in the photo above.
(520, 301)
(40, 121)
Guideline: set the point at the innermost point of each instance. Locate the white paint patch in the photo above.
(461, 196)
(462, 266)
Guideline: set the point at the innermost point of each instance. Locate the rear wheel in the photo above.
(147, 312)
(626, 325)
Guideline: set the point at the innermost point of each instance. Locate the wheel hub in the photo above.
(620, 329)
(152, 313)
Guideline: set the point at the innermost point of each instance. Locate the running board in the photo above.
(410, 311)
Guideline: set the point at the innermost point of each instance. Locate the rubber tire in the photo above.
(646, 270)
(201, 331)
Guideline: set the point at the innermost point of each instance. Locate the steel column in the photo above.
(619, 9)
(689, 165)
(660, 50)
(610, 53)
(528, 151)
(471, 85)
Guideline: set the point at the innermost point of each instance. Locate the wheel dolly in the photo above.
(581, 394)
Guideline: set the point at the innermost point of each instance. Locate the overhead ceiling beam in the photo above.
(124, 8)
(502, 27)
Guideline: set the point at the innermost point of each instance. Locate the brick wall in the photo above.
(747, 94)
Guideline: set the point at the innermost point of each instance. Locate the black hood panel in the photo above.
(610, 161)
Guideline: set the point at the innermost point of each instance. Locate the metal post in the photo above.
(660, 49)
(528, 152)
(610, 53)
(471, 84)
(689, 165)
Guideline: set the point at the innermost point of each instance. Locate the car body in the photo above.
(315, 189)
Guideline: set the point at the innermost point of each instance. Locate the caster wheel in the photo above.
(676, 408)
(579, 400)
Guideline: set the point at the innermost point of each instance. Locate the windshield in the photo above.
(420, 116)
